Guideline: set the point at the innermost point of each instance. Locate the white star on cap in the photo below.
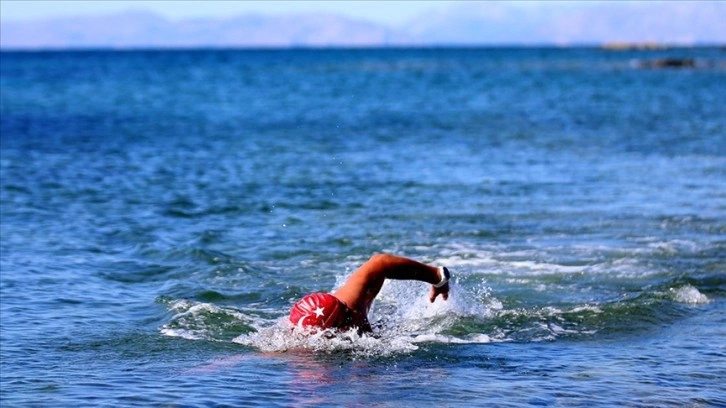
(319, 312)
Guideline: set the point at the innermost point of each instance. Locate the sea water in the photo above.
(162, 210)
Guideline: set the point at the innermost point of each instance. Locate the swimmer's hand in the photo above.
(442, 287)
(435, 292)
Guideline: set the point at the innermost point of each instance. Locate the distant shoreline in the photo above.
(615, 26)
(603, 47)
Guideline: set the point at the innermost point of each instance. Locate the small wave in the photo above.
(404, 319)
(476, 338)
(544, 261)
(674, 247)
(132, 271)
(688, 294)
(206, 321)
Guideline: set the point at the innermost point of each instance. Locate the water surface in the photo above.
(162, 210)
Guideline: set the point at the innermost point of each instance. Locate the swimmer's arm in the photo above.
(396, 267)
(364, 284)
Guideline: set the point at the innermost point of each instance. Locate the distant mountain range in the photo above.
(461, 23)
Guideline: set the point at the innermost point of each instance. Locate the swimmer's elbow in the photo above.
(381, 258)
(384, 262)
(378, 266)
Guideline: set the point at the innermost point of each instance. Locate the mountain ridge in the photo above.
(490, 23)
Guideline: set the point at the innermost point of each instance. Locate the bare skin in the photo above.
(362, 287)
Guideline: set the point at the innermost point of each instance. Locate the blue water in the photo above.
(162, 210)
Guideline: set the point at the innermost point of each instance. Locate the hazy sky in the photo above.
(388, 12)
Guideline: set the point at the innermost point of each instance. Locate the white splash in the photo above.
(402, 316)
(283, 337)
(200, 321)
(689, 294)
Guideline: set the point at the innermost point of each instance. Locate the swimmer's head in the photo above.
(317, 310)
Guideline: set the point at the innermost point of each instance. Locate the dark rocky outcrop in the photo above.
(669, 63)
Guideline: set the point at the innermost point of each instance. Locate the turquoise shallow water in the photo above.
(162, 210)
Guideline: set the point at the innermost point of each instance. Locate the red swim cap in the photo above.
(317, 309)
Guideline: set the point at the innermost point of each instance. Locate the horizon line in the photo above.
(605, 46)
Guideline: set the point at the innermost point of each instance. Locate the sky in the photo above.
(386, 12)
(435, 21)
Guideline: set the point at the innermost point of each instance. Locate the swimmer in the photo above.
(348, 306)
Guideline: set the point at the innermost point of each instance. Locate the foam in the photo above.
(587, 308)
(675, 246)
(402, 316)
(387, 341)
(182, 333)
(204, 321)
(477, 338)
(621, 261)
(283, 337)
(688, 294)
